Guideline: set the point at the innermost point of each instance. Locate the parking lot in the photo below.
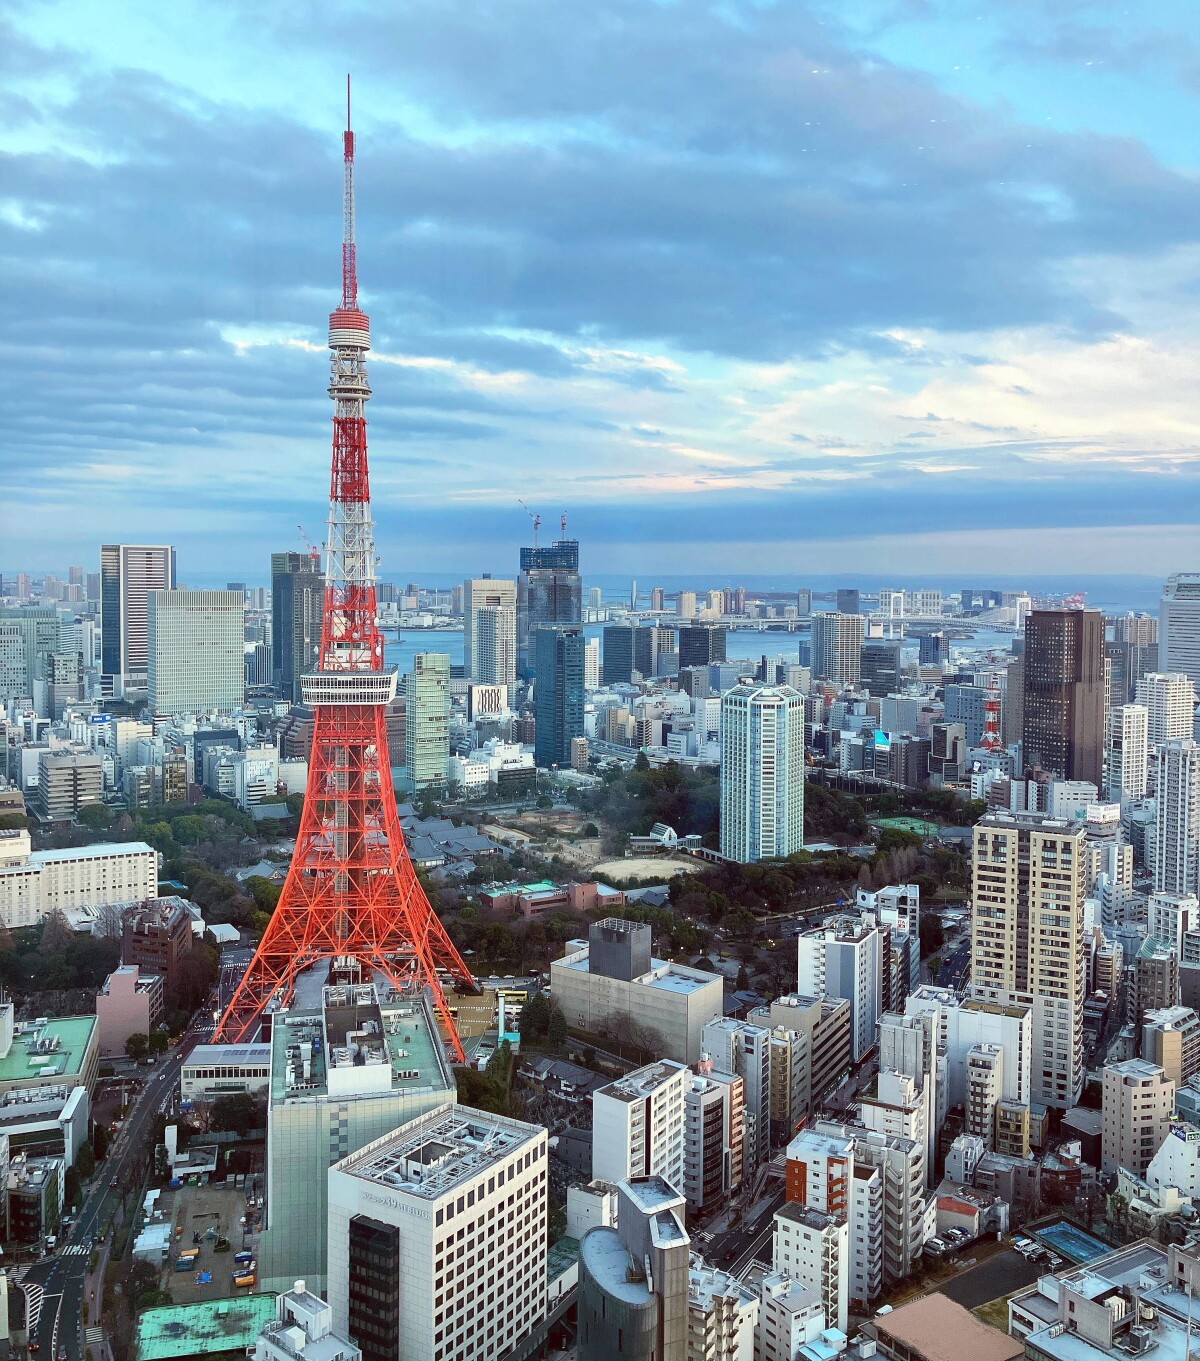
(213, 1212)
(997, 1276)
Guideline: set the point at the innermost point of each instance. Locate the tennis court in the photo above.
(1071, 1242)
(907, 825)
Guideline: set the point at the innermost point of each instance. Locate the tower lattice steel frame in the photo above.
(351, 892)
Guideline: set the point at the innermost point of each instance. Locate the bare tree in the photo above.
(56, 933)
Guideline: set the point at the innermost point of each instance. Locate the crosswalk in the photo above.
(34, 1295)
(93, 1336)
(75, 1250)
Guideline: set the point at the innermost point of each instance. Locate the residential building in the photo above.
(762, 772)
(67, 781)
(129, 1003)
(1170, 917)
(1170, 1039)
(437, 1237)
(744, 1049)
(1176, 841)
(722, 1315)
(558, 693)
(297, 606)
(77, 882)
(825, 1025)
(837, 641)
(638, 1124)
(790, 1317)
(1179, 625)
(196, 651)
(345, 1073)
(713, 1140)
(427, 720)
(844, 959)
(897, 908)
(634, 1278)
(1138, 1101)
(1063, 699)
(549, 592)
(128, 574)
(1169, 698)
(611, 980)
(1027, 938)
(791, 1082)
(489, 643)
(813, 1247)
(1128, 753)
(303, 1328)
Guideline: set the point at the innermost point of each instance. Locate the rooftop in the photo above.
(228, 1055)
(608, 1261)
(806, 1215)
(47, 1048)
(102, 850)
(642, 1081)
(937, 1329)
(431, 1156)
(185, 1330)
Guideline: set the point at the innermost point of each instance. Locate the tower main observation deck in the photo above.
(351, 892)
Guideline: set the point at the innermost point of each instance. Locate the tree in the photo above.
(137, 1046)
(238, 1112)
(57, 936)
(265, 893)
(159, 1042)
(95, 816)
(641, 762)
(556, 1029)
(85, 1161)
(99, 1141)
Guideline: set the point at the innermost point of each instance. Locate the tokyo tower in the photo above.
(351, 892)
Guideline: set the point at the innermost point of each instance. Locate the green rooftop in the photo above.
(561, 1257)
(33, 1057)
(502, 890)
(203, 1329)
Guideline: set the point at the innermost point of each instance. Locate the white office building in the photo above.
(1127, 754)
(342, 1074)
(813, 1247)
(1179, 625)
(844, 959)
(762, 772)
(437, 1237)
(638, 1124)
(1176, 842)
(77, 882)
(196, 651)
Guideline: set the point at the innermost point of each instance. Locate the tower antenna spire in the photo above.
(351, 896)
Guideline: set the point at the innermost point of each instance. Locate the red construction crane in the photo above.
(313, 551)
(351, 892)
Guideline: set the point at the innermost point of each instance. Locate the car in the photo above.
(112, 1185)
(34, 1346)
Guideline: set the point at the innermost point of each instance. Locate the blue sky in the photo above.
(889, 286)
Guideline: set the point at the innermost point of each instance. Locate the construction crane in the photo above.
(314, 553)
(537, 519)
(562, 526)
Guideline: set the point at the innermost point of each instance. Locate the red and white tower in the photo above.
(351, 892)
(991, 739)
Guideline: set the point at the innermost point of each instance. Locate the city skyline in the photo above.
(949, 315)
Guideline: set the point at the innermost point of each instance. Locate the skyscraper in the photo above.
(1027, 941)
(1179, 625)
(1170, 700)
(849, 600)
(881, 666)
(762, 772)
(427, 720)
(837, 641)
(28, 638)
(649, 644)
(128, 573)
(495, 655)
(617, 660)
(549, 591)
(701, 645)
(558, 693)
(1176, 849)
(1063, 700)
(196, 651)
(1127, 753)
(481, 593)
(297, 600)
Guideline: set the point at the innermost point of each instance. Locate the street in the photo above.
(55, 1287)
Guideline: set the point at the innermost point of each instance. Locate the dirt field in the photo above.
(654, 868)
(195, 1208)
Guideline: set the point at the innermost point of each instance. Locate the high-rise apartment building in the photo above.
(638, 1124)
(297, 602)
(427, 720)
(844, 959)
(1063, 699)
(1179, 625)
(490, 644)
(713, 1137)
(558, 697)
(1175, 856)
(1127, 753)
(1169, 699)
(1028, 938)
(128, 573)
(549, 591)
(813, 1247)
(1138, 1100)
(837, 641)
(737, 1047)
(762, 772)
(437, 1237)
(196, 651)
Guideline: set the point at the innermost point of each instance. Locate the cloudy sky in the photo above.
(738, 285)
